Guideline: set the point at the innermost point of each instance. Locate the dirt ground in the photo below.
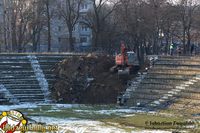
(87, 80)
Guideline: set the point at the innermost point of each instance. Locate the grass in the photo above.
(86, 112)
(145, 121)
(138, 121)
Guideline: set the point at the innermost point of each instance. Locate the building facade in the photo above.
(1, 25)
(82, 35)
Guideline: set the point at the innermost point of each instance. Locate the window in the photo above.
(59, 39)
(83, 17)
(83, 39)
(59, 5)
(59, 28)
(84, 6)
(59, 17)
(74, 28)
(74, 39)
(84, 28)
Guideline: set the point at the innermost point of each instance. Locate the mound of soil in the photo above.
(87, 80)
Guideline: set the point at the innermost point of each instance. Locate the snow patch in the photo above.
(20, 106)
(109, 112)
(8, 76)
(39, 75)
(81, 126)
(8, 95)
(78, 125)
(149, 131)
(16, 66)
(66, 105)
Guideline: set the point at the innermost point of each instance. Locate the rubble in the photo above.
(87, 79)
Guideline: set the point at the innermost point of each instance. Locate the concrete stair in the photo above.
(170, 79)
(19, 81)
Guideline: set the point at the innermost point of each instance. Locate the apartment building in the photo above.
(1, 25)
(82, 35)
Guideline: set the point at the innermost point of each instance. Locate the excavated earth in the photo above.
(87, 80)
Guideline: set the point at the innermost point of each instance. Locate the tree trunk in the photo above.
(48, 26)
(14, 41)
(188, 42)
(155, 50)
(139, 51)
(19, 48)
(184, 40)
(95, 40)
(4, 30)
(167, 44)
(38, 41)
(71, 41)
(34, 42)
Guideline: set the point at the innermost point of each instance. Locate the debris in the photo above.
(87, 80)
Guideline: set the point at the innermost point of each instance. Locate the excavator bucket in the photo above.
(125, 71)
(113, 69)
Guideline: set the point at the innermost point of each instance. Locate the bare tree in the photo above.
(7, 9)
(187, 9)
(37, 23)
(133, 25)
(20, 18)
(70, 12)
(22, 21)
(48, 16)
(97, 16)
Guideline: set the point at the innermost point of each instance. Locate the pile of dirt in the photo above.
(87, 80)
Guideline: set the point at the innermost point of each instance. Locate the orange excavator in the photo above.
(125, 61)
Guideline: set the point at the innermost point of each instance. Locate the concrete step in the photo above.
(170, 74)
(169, 79)
(170, 70)
(22, 86)
(190, 95)
(176, 67)
(181, 58)
(151, 91)
(161, 82)
(29, 95)
(27, 91)
(16, 68)
(143, 102)
(21, 80)
(14, 63)
(175, 63)
(32, 100)
(13, 58)
(153, 85)
(46, 65)
(166, 78)
(145, 96)
(18, 76)
(3, 100)
(23, 73)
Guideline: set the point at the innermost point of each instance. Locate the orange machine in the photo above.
(124, 61)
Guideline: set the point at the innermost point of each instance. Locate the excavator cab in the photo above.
(132, 57)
